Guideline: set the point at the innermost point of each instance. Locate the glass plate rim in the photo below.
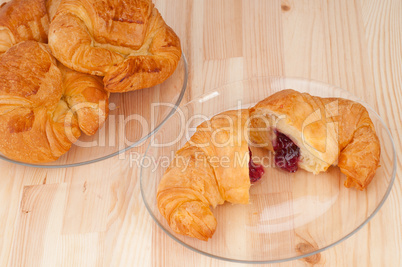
(385, 197)
(176, 105)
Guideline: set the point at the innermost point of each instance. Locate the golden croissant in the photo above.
(211, 168)
(43, 105)
(23, 20)
(314, 133)
(125, 41)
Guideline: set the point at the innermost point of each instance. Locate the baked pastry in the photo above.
(304, 131)
(23, 20)
(125, 41)
(211, 168)
(43, 105)
(314, 133)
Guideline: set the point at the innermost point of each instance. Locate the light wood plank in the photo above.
(38, 224)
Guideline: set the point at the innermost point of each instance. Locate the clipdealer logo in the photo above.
(115, 133)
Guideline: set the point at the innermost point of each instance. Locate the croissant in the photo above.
(314, 133)
(211, 168)
(43, 105)
(23, 20)
(125, 41)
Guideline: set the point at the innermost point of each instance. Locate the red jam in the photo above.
(255, 170)
(287, 154)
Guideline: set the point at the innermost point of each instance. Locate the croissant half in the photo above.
(43, 105)
(127, 42)
(198, 179)
(314, 133)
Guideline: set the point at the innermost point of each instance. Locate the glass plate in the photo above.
(290, 216)
(133, 118)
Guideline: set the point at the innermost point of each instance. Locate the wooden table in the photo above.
(94, 215)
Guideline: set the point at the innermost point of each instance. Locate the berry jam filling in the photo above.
(255, 170)
(287, 154)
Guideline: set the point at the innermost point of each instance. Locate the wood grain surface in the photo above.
(94, 215)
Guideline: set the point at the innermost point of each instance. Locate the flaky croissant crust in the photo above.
(186, 192)
(329, 131)
(127, 42)
(23, 20)
(45, 106)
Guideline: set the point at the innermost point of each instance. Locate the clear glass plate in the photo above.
(133, 118)
(290, 216)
